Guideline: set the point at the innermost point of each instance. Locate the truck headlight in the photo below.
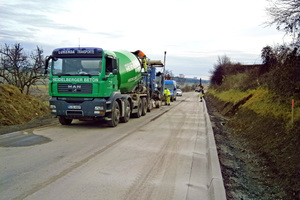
(53, 108)
(99, 108)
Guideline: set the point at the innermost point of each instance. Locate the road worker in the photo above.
(144, 62)
(167, 96)
(143, 57)
(201, 90)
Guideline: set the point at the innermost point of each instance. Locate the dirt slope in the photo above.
(259, 156)
(17, 108)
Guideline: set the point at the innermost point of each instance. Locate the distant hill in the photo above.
(190, 80)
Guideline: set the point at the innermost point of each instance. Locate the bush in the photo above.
(280, 72)
(283, 76)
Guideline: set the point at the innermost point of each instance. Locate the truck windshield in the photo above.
(76, 66)
(169, 86)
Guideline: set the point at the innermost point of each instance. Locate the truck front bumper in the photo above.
(78, 107)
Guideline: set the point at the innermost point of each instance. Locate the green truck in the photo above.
(92, 83)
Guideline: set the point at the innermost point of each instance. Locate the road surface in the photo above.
(162, 155)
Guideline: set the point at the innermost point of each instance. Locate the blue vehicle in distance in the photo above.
(171, 85)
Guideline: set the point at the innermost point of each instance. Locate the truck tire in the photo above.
(114, 115)
(150, 105)
(139, 112)
(127, 112)
(144, 106)
(157, 104)
(64, 121)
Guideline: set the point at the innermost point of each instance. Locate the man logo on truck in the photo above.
(74, 88)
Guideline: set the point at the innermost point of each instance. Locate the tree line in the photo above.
(19, 68)
(280, 68)
(279, 71)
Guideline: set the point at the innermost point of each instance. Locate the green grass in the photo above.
(262, 102)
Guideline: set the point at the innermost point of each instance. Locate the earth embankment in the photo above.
(17, 108)
(259, 152)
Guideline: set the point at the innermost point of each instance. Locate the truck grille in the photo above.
(79, 88)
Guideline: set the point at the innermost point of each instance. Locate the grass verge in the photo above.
(262, 123)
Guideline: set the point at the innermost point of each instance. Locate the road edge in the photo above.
(216, 184)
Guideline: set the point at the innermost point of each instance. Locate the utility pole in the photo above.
(165, 62)
(164, 74)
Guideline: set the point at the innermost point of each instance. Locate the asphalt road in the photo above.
(147, 158)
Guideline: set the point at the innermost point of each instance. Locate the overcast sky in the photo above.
(193, 32)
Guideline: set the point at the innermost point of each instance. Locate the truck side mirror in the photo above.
(48, 58)
(47, 64)
(115, 71)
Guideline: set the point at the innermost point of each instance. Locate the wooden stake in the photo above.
(292, 111)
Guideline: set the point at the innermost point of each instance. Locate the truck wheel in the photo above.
(157, 104)
(150, 105)
(139, 112)
(64, 121)
(144, 106)
(114, 115)
(127, 112)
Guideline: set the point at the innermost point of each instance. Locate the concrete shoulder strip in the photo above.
(216, 185)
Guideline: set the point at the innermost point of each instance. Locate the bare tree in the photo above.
(181, 79)
(282, 64)
(218, 74)
(19, 69)
(285, 14)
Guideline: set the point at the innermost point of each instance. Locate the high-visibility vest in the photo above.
(144, 63)
(167, 92)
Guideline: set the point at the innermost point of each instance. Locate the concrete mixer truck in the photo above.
(92, 83)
